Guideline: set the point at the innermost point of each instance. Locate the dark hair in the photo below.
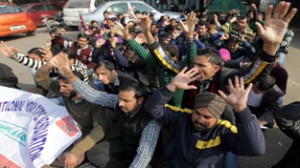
(119, 14)
(172, 49)
(144, 13)
(97, 31)
(203, 23)
(76, 73)
(69, 52)
(110, 34)
(54, 31)
(137, 12)
(242, 17)
(173, 19)
(210, 21)
(212, 54)
(169, 29)
(138, 90)
(82, 35)
(233, 39)
(36, 51)
(94, 21)
(107, 64)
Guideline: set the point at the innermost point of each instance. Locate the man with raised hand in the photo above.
(139, 132)
(213, 75)
(202, 139)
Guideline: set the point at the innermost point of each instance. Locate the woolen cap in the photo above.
(225, 54)
(214, 103)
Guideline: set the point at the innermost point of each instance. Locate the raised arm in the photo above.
(275, 26)
(145, 25)
(272, 33)
(140, 51)
(156, 103)
(12, 52)
(248, 140)
(163, 58)
(85, 91)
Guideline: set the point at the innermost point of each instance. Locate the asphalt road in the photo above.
(277, 143)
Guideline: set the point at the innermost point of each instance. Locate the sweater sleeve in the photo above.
(249, 139)
(141, 52)
(42, 78)
(191, 53)
(147, 145)
(158, 108)
(30, 62)
(226, 27)
(261, 66)
(120, 58)
(164, 59)
(95, 96)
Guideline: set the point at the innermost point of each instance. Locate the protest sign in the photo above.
(33, 129)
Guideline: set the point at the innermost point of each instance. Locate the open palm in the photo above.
(8, 51)
(238, 94)
(189, 26)
(276, 23)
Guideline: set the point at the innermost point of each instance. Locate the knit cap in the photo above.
(214, 103)
(225, 54)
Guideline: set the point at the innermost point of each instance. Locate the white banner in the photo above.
(33, 130)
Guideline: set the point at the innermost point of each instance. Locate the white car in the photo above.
(114, 8)
(74, 8)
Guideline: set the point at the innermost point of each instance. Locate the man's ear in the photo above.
(72, 61)
(140, 100)
(216, 68)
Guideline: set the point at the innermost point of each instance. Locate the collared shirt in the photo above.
(147, 145)
(95, 96)
(117, 80)
(133, 113)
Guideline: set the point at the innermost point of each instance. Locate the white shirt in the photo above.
(254, 99)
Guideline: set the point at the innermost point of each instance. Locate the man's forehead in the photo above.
(201, 58)
(126, 94)
(243, 20)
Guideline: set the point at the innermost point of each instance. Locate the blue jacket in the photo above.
(206, 148)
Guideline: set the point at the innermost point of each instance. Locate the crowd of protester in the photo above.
(192, 91)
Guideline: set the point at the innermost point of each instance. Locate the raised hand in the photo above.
(8, 51)
(145, 24)
(99, 42)
(189, 26)
(275, 26)
(140, 38)
(118, 29)
(47, 53)
(253, 7)
(46, 50)
(62, 63)
(182, 80)
(238, 94)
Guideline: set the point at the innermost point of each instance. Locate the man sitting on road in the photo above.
(201, 138)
